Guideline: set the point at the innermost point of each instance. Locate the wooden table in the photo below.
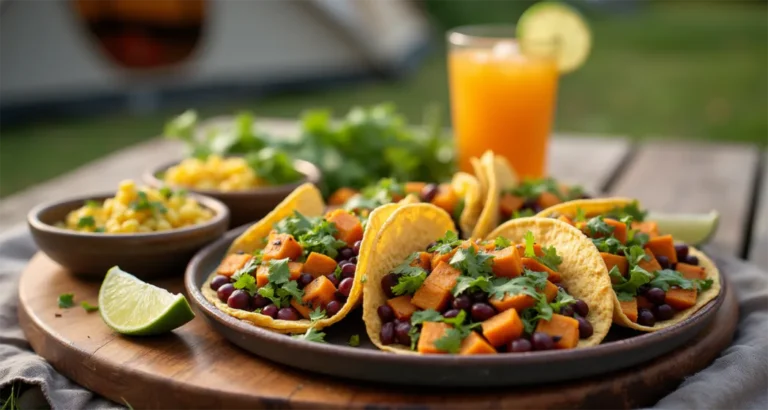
(679, 176)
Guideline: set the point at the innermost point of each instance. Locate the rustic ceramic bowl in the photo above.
(621, 349)
(145, 255)
(246, 206)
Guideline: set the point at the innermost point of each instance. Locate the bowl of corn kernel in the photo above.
(149, 232)
(249, 191)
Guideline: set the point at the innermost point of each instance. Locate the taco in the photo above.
(461, 197)
(657, 281)
(297, 268)
(508, 197)
(427, 291)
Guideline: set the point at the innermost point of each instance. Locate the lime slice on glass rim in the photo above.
(132, 307)
(692, 229)
(556, 29)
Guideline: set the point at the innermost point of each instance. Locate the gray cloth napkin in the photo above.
(738, 379)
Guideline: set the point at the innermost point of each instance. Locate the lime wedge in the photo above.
(552, 29)
(692, 229)
(132, 307)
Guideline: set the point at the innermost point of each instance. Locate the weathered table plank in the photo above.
(588, 161)
(758, 252)
(686, 177)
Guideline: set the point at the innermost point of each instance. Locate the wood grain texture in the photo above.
(758, 252)
(684, 177)
(195, 367)
(587, 161)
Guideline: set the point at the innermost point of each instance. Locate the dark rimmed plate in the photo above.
(622, 347)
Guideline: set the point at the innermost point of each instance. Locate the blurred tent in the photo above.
(92, 54)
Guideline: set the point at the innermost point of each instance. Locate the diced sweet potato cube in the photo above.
(414, 187)
(507, 262)
(503, 328)
(643, 303)
(442, 257)
(649, 263)
(663, 246)
(446, 198)
(318, 264)
(232, 263)
(348, 226)
(681, 299)
(295, 269)
(475, 344)
(303, 310)
(550, 291)
(430, 332)
(509, 203)
(691, 271)
(262, 275)
(651, 228)
(536, 249)
(565, 219)
(319, 292)
(443, 276)
(424, 260)
(547, 199)
(518, 302)
(431, 296)
(402, 307)
(619, 229)
(281, 246)
(629, 308)
(563, 327)
(612, 260)
(536, 266)
(341, 196)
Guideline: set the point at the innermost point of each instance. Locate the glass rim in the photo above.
(488, 35)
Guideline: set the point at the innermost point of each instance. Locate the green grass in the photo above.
(684, 70)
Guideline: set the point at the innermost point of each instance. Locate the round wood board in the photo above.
(196, 367)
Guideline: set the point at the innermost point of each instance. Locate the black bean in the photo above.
(645, 317)
(585, 328)
(387, 333)
(429, 192)
(345, 254)
(258, 301)
(451, 313)
(356, 247)
(401, 333)
(542, 341)
(348, 270)
(288, 313)
(239, 299)
(656, 296)
(566, 311)
(482, 311)
(692, 260)
(530, 203)
(345, 286)
(225, 291)
(478, 296)
(333, 307)
(333, 279)
(218, 281)
(643, 289)
(663, 312)
(386, 314)
(520, 346)
(663, 261)
(353, 260)
(682, 251)
(462, 302)
(304, 280)
(270, 310)
(581, 308)
(387, 282)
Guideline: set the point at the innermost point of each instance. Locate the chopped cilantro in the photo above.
(414, 334)
(666, 277)
(635, 254)
(248, 268)
(422, 316)
(522, 213)
(597, 226)
(279, 272)
(406, 268)
(450, 342)
(99, 229)
(354, 340)
(456, 321)
(86, 221)
(313, 234)
(408, 284)
(446, 244)
(515, 286)
(633, 210)
(607, 244)
(466, 282)
(337, 272)
(529, 251)
(290, 290)
(144, 204)
(268, 291)
(625, 296)
(472, 263)
(364, 279)
(374, 196)
(637, 277)
(317, 314)
(533, 188)
(89, 307)
(66, 300)
(580, 216)
(92, 203)
(246, 282)
(550, 259)
(458, 209)
(561, 300)
(311, 335)
(166, 192)
(501, 242)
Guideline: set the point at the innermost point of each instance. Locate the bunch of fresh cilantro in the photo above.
(368, 144)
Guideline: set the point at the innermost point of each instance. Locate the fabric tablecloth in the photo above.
(738, 379)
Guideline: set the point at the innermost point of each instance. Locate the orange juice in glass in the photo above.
(501, 99)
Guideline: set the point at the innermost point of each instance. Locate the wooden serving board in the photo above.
(195, 367)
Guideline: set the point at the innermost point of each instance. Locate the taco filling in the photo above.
(654, 277)
(479, 297)
(306, 269)
(533, 195)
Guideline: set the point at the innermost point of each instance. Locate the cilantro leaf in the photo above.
(422, 316)
(406, 268)
(561, 300)
(364, 279)
(637, 238)
(86, 221)
(533, 188)
(296, 225)
(515, 286)
(633, 210)
(635, 254)
(337, 272)
(597, 226)
(92, 203)
(279, 272)
(458, 209)
(625, 296)
(446, 244)
(409, 283)
(354, 340)
(522, 213)
(144, 204)
(290, 290)
(466, 282)
(539, 279)
(374, 196)
(311, 335)
(268, 291)
(414, 334)
(637, 277)
(529, 251)
(450, 342)
(248, 268)
(66, 300)
(580, 216)
(550, 259)
(703, 284)
(501, 242)
(89, 307)
(246, 282)
(667, 277)
(615, 274)
(317, 314)
(166, 192)
(608, 244)
(472, 262)
(456, 321)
